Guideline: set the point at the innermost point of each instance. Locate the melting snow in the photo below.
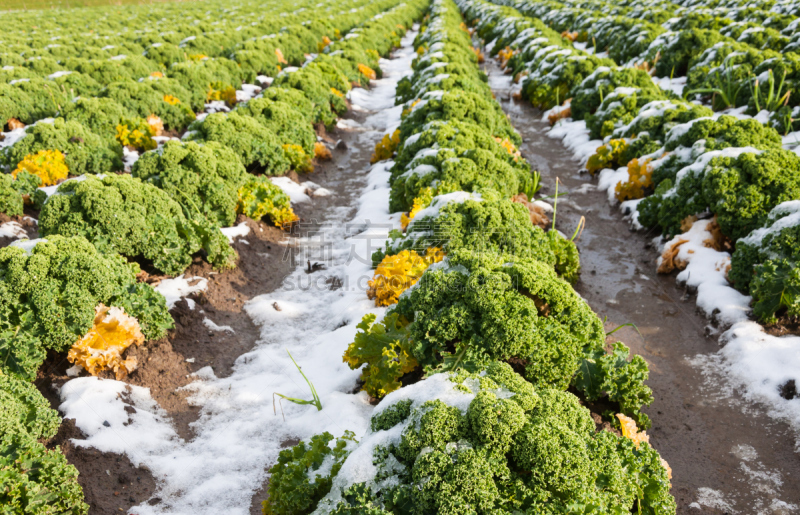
(238, 436)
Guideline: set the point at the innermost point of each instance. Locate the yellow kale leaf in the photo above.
(607, 156)
(321, 151)
(386, 350)
(385, 148)
(300, 161)
(101, 348)
(48, 165)
(420, 203)
(395, 274)
(640, 178)
(367, 72)
(259, 197)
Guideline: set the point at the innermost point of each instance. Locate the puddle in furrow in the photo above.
(700, 424)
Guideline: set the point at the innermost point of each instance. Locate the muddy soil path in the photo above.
(726, 454)
(110, 481)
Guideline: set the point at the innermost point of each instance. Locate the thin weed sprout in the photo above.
(555, 206)
(579, 229)
(315, 400)
(774, 99)
(629, 324)
(532, 185)
(787, 122)
(726, 89)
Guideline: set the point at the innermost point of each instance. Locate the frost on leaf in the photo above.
(395, 274)
(559, 114)
(101, 348)
(716, 239)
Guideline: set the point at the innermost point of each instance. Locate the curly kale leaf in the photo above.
(611, 375)
(258, 147)
(744, 190)
(205, 179)
(10, 199)
(21, 402)
(776, 289)
(486, 306)
(291, 491)
(681, 49)
(386, 349)
(259, 197)
(765, 257)
(122, 214)
(21, 354)
(488, 225)
(449, 170)
(283, 118)
(357, 500)
(726, 131)
(148, 306)
(99, 115)
(391, 416)
(461, 106)
(85, 151)
(618, 109)
(512, 450)
(51, 294)
(457, 135)
(36, 480)
(590, 93)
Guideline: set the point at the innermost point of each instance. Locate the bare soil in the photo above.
(702, 427)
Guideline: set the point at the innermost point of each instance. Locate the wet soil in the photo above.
(711, 437)
(111, 484)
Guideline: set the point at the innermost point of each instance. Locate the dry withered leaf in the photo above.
(14, 124)
(537, 214)
(717, 241)
(687, 223)
(669, 258)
